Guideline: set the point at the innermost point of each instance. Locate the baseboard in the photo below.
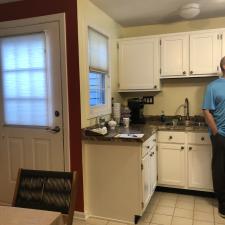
(80, 215)
(186, 191)
(4, 204)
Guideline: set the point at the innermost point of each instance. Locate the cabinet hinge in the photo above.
(118, 85)
(218, 36)
(160, 42)
(217, 68)
(160, 71)
(221, 37)
(142, 166)
(142, 205)
(118, 46)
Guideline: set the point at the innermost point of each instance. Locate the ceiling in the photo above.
(144, 12)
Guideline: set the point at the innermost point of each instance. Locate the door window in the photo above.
(24, 80)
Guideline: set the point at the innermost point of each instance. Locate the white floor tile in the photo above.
(204, 208)
(181, 221)
(202, 223)
(164, 210)
(167, 202)
(95, 221)
(185, 205)
(185, 213)
(161, 219)
(203, 216)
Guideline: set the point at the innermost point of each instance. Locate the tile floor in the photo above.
(173, 209)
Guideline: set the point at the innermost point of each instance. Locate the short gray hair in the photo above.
(222, 64)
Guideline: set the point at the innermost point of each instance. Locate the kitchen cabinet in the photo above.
(191, 54)
(184, 160)
(139, 64)
(171, 159)
(119, 178)
(199, 161)
(205, 53)
(175, 55)
(199, 167)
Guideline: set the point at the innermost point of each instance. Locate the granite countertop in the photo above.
(147, 129)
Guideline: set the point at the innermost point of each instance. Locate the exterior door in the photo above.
(31, 111)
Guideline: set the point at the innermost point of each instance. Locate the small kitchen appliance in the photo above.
(136, 106)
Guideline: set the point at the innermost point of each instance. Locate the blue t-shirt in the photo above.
(214, 101)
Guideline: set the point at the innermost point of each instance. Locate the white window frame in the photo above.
(105, 109)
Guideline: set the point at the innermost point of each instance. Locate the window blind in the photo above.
(98, 51)
(24, 80)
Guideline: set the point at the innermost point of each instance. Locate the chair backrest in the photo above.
(46, 190)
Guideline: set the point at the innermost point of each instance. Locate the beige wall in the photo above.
(90, 15)
(174, 91)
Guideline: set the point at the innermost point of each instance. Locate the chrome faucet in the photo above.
(186, 105)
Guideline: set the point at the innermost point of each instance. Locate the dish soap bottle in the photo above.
(162, 117)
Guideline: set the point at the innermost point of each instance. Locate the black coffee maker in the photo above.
(136, 106)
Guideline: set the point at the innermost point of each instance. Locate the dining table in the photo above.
(23, 216)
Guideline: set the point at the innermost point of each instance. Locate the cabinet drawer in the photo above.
(148, 144)
(171, 137)
(198, 138)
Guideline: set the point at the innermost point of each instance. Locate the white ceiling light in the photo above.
(190, 11)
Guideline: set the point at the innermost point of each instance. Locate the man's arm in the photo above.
(210, 121)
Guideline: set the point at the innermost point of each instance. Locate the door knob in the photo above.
(56, 129)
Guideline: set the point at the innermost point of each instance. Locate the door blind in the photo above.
(24, 80)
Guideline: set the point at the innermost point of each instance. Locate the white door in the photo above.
(205, 53)
(146, 185)
(175, 55)
(171, 164)
(199, 166)
(139, 64)
(31, 113)
(153, 169)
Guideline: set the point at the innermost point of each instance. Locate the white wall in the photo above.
(90, 15)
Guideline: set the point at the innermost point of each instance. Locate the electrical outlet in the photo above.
(148, 100)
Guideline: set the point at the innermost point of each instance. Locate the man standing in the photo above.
(214, 113)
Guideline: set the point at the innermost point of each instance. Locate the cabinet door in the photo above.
(146, 185)
(139, 64)
(171, 164)
(175, 55)
(199, 166)
(153, 168)
(205, 53)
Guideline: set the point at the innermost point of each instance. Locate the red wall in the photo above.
(32, 8)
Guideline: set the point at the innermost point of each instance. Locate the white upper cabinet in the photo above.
(174, 55)
(205, 53)
(139, 64)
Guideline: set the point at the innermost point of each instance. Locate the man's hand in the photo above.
(210, 121)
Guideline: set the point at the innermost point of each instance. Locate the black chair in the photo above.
(47, 190)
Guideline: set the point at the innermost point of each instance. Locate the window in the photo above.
(98, 72)
(24, 80)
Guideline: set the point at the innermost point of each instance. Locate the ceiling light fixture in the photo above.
(190, 11)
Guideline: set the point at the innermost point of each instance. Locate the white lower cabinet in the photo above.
(171, 161)
(199, 166)
(119, 178)
(146, 182)
(186, 165)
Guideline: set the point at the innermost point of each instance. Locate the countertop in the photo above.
(147, 129)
